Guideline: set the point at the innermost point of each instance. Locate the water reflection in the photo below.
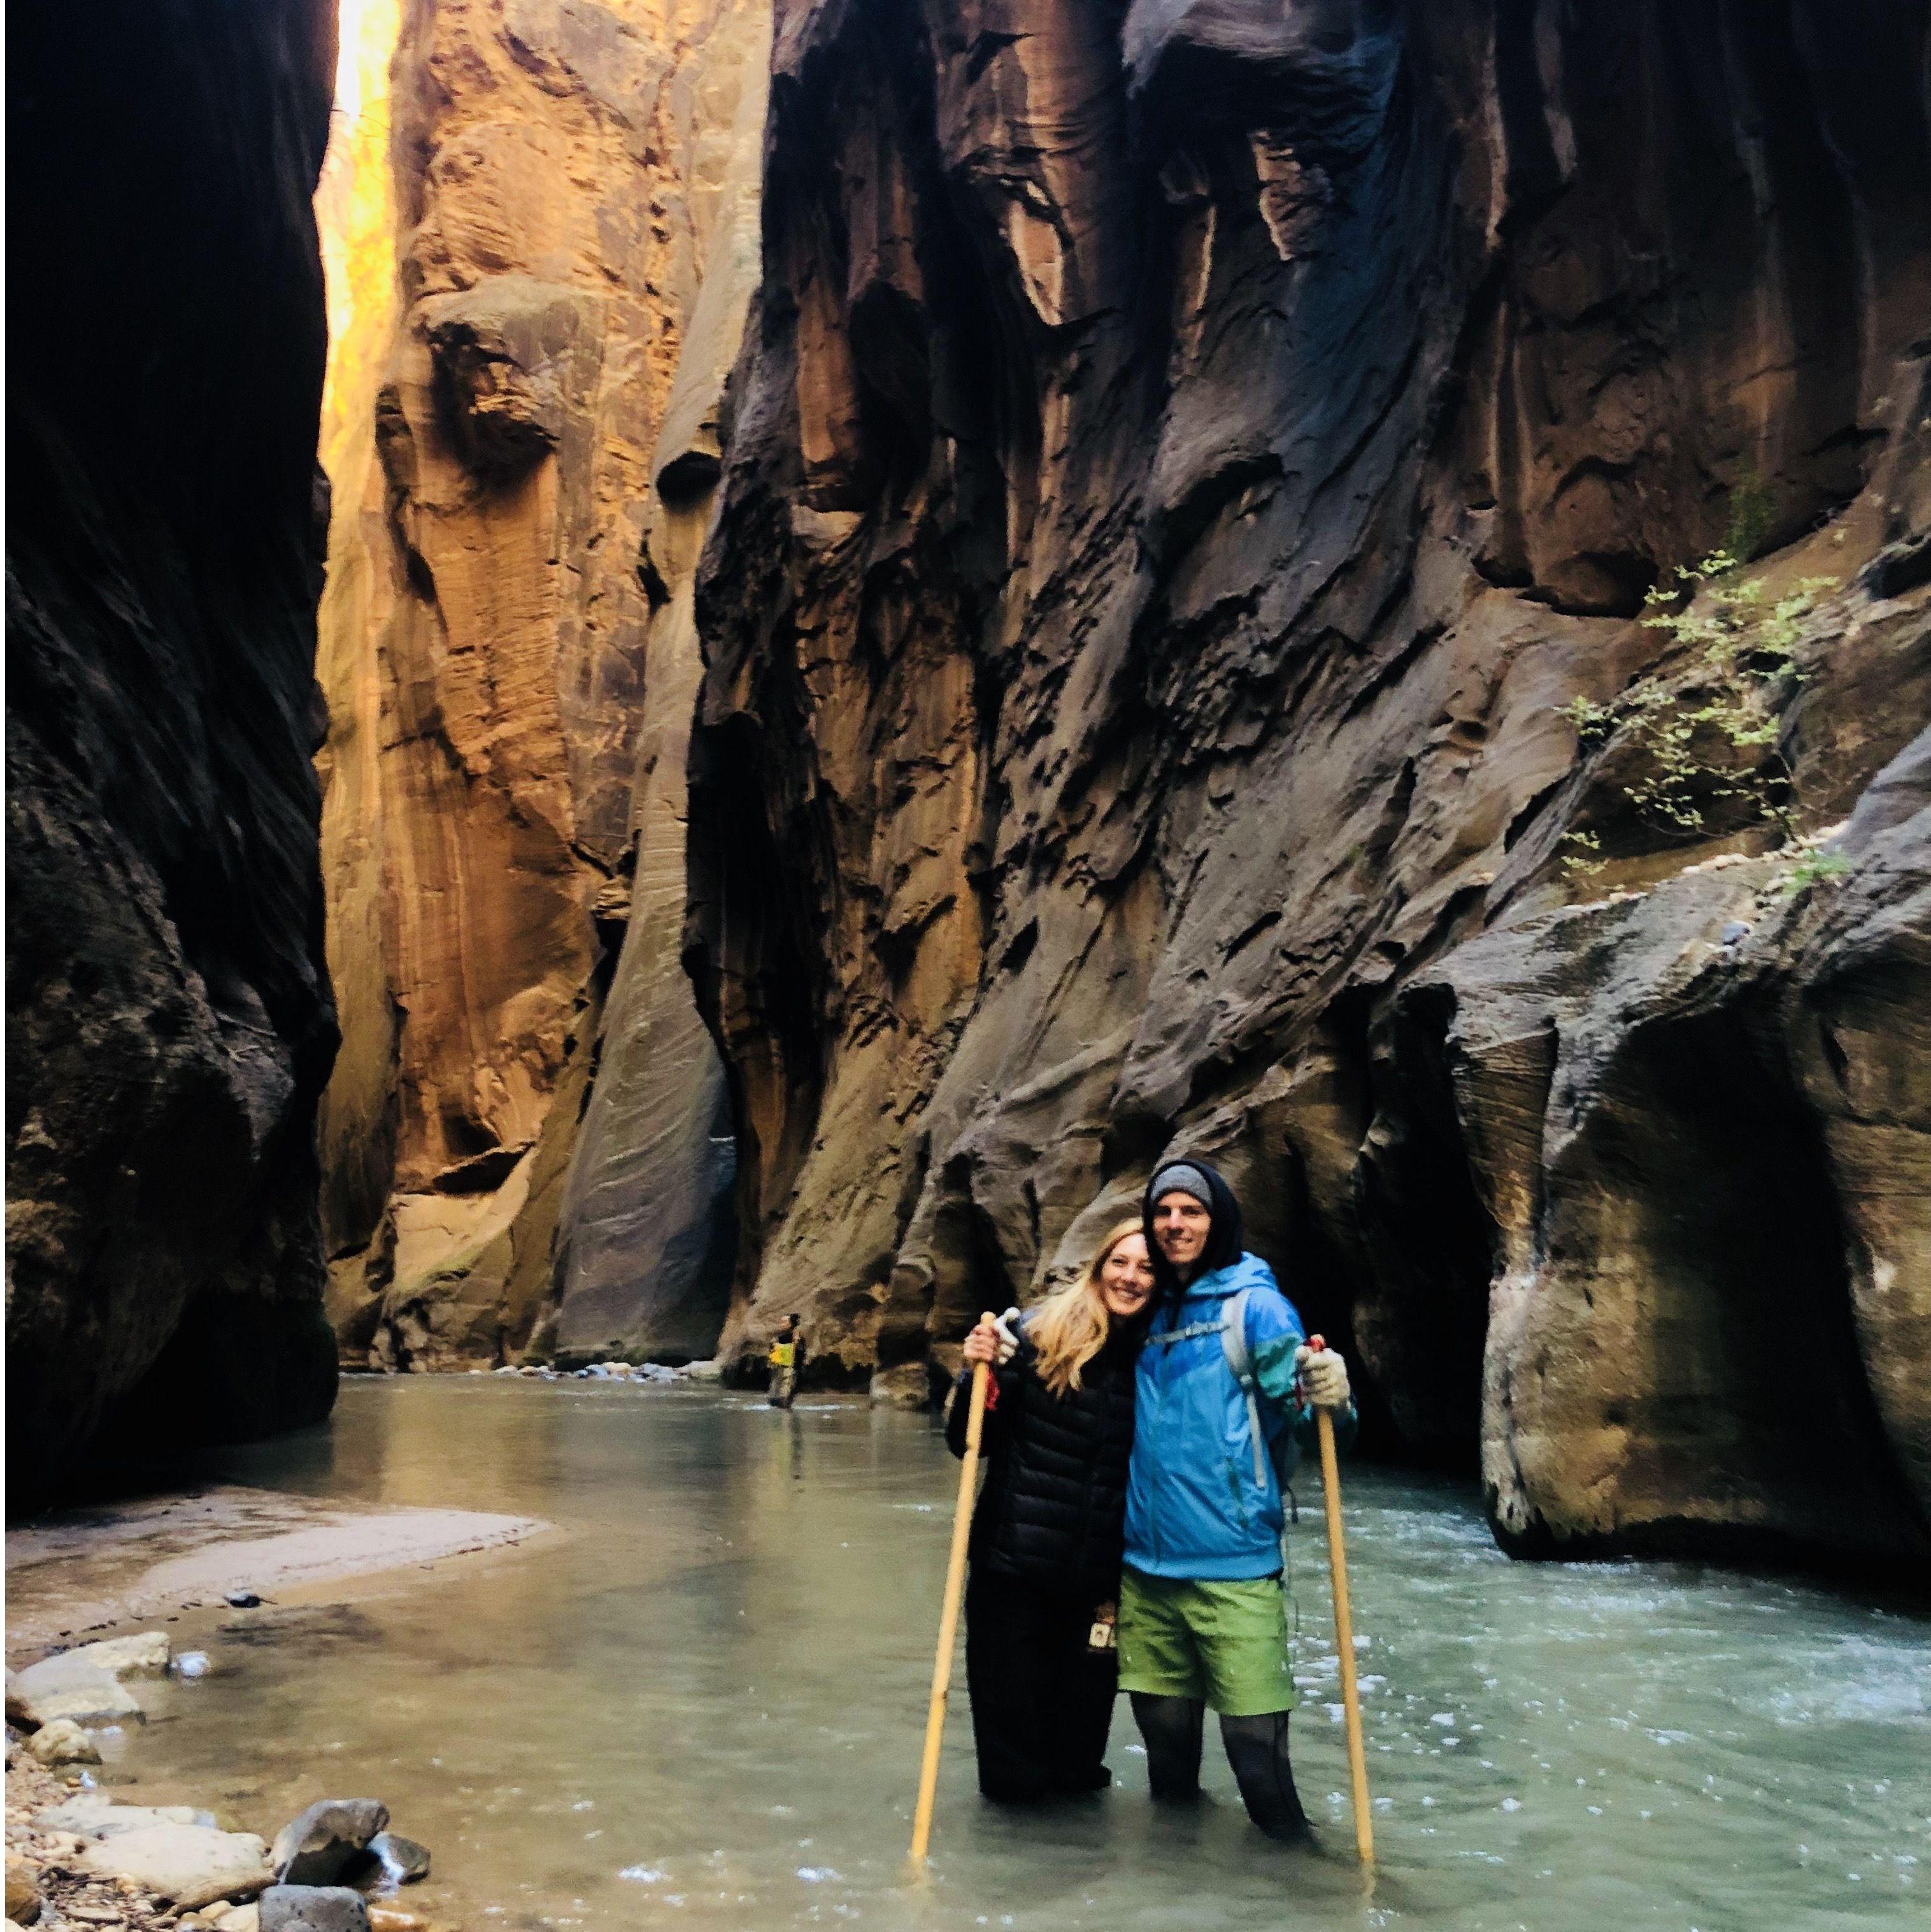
(702, 1704)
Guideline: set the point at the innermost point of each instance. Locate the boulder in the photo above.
(403, 1860)
(387, 1919)
(908, 1385)
(146, 1654)
(23, 1891)
(243, 1919)
(63, 1741)
(188, 1865)
(68, 1686)
(313, 1908)
(326, 1841)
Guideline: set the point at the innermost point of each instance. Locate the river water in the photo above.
(700, 1703)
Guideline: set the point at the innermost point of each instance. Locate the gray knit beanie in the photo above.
(1181, 1178)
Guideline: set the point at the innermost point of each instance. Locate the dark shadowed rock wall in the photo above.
(1176, 678)
(169, 1025)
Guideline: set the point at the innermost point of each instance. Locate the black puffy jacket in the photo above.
(1053, 1509)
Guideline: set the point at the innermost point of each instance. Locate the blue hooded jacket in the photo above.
(1193, 1509)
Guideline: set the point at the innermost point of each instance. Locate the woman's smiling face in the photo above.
(1126, 1278)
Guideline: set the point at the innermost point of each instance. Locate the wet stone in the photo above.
(403, 1860)
(313, 1908)
(328, 1841)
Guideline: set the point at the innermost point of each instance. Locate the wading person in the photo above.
(1046, 1535)
(1226, 1392)
(785, 1359)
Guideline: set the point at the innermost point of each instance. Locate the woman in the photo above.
(1046, 1538)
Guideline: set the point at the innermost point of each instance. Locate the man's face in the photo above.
(1180, 1226)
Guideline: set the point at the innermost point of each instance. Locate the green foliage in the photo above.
(1742, 651)
(1587, 860)
(1814, 868)
(1594, 723)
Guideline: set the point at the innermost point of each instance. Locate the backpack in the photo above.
(1283, 1451)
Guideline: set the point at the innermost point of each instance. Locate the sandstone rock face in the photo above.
(644, 1261)
(169, 1025)
(1176, 678)
(560, 175)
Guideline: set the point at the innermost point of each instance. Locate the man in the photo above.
(784, 1361)
(1202, 1614)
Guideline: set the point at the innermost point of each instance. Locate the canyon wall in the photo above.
(170, 1026)
(1181, 675)
(526, 405)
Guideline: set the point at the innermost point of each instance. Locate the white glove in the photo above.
(1003, 1333)
(1324, 1377)
(1008, 1326)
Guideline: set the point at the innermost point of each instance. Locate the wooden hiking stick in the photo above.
(1344, 1627)
(949, 1617)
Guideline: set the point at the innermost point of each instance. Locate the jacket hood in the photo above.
(1225, 1236)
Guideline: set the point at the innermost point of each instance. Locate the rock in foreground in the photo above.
(313, 1908)
(325, 1841)
(188, 1865)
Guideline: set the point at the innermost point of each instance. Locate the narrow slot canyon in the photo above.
(678, 665)
(1052, 600)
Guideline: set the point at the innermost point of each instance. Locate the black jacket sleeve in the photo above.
(958, 1409)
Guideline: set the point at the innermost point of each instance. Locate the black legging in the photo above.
(1256, 1747)
(1042, 1701)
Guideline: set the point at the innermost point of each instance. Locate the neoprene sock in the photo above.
(1170, 1729)
(1256, 1747)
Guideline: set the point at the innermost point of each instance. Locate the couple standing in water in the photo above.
(1139, 1430)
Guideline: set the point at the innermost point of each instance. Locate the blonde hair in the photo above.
(1071, 1328)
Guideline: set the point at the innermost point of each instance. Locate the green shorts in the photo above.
(1226, 1642)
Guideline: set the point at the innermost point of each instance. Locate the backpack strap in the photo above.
(1192, 1332)
(1233, 1325)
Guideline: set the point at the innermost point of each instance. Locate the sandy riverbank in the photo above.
(74, 1575)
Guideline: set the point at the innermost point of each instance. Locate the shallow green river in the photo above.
(701, 1703)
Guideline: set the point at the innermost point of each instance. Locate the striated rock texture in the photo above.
(170, 1027)
(1176, 680)
(644, 1258)
(561, 173)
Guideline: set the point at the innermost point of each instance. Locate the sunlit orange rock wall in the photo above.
(560, 175)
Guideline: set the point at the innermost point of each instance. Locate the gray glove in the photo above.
(1324, 1377)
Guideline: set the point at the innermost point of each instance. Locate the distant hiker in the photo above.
(1046, 1537)
(786, 1358)
(1227, 1390)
